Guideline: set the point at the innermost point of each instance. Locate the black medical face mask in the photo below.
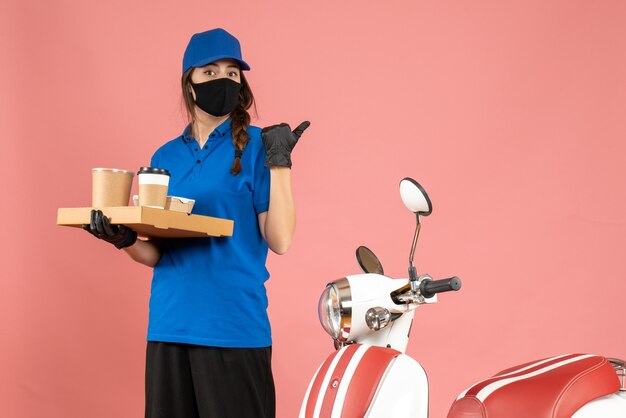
(217, 97)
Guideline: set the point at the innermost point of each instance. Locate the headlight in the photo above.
(329, 312)
(334, 309)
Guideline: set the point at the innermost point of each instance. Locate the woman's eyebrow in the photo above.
(215, 65)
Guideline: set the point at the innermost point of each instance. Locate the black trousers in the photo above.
(192, 381)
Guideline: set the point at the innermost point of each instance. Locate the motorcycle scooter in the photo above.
(369, 317)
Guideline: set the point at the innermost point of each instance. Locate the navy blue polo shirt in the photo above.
(210, 291)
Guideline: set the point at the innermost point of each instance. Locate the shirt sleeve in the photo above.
(261, 193)
(154, 161)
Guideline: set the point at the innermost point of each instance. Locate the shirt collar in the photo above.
(222, 130)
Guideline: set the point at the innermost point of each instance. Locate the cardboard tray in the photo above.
(151, 222)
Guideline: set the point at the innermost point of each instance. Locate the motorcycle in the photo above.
(369, 317)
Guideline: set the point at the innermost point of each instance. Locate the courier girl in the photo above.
(209, 338)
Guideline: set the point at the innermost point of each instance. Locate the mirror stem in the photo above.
(412, 273)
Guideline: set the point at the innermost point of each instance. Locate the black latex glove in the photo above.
(101, 227)
(279, 141)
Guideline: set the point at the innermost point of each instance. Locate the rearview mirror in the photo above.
(368, 260)
(415, 197)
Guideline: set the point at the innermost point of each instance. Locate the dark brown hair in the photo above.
(240, 118)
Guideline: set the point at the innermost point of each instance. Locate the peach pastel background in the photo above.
(510, 113)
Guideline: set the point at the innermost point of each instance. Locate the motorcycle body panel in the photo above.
(367, 381)
(610, 406)
(403, 393)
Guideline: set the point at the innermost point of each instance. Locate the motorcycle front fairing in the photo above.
(370, 376)
(357, 294)
(367, 381)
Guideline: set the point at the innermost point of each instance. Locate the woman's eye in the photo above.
(209, 72)
(233, 74)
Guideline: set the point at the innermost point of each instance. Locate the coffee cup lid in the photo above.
(112, 170)
(153, 170)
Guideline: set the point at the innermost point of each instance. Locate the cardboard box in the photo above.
(151, 222)
(179, 204)
(175, 203)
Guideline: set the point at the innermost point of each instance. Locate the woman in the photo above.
(209, 341)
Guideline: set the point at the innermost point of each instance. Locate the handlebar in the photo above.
(428, 288)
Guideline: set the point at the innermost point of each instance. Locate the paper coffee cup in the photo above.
(110, 187)
(153, 183)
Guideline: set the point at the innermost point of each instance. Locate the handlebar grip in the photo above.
(428, 288)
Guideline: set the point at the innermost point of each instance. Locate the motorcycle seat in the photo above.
(550, 388)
